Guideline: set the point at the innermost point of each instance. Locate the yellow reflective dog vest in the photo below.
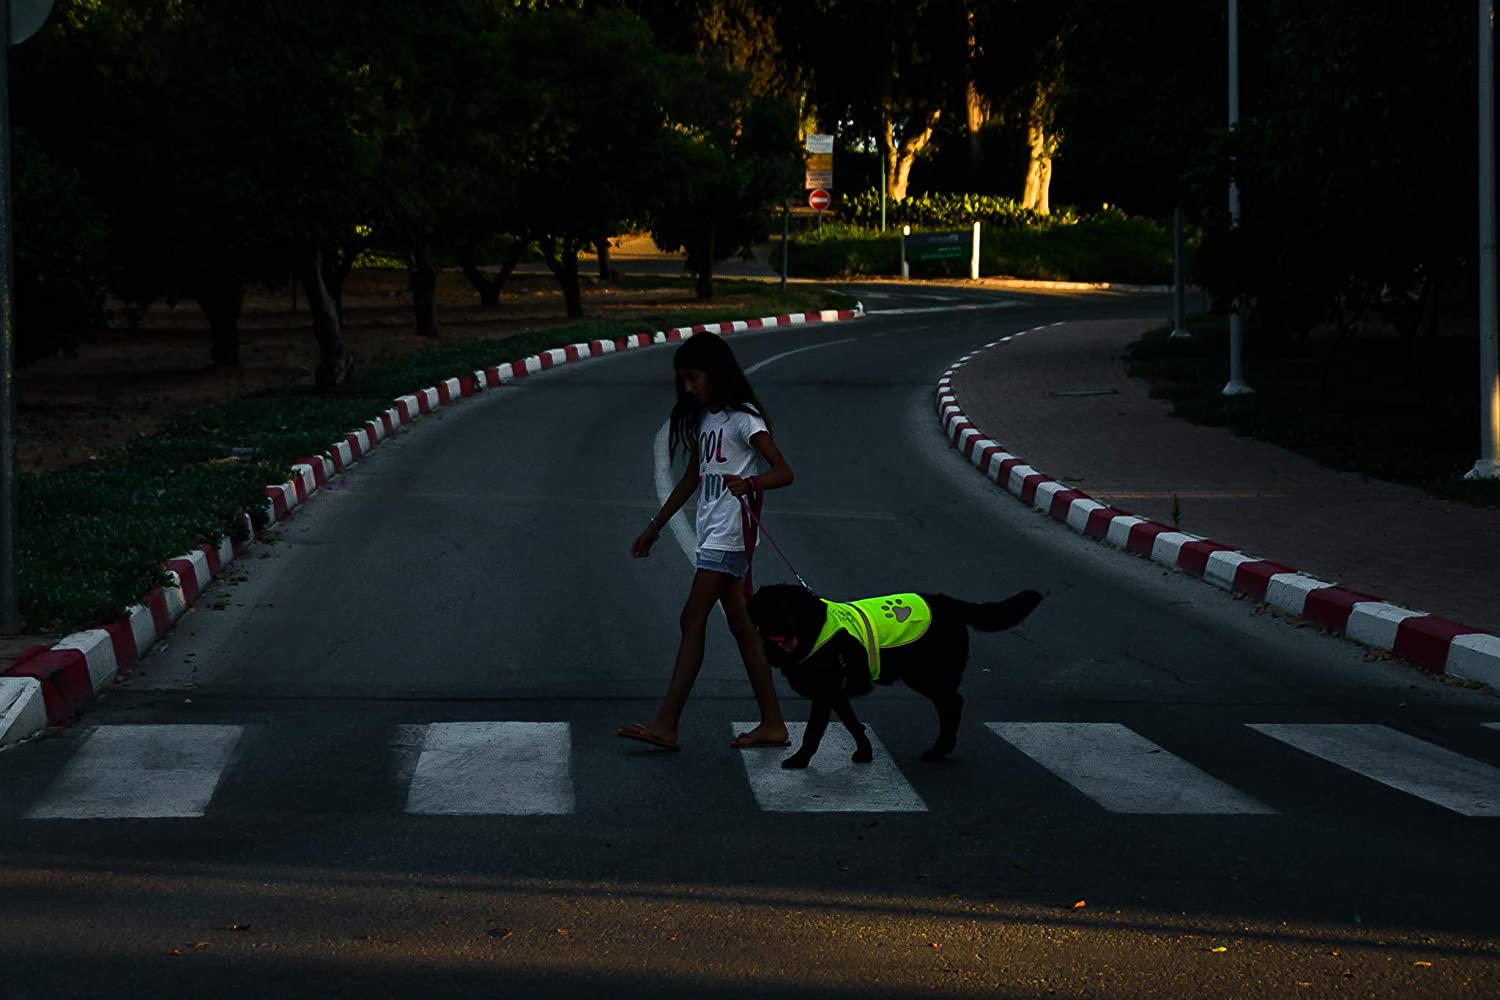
(878, 623)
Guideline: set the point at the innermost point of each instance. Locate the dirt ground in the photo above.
(124, 383)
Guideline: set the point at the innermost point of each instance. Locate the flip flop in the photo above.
(744, 741)
(638, 732)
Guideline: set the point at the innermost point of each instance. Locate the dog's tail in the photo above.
(991, 616)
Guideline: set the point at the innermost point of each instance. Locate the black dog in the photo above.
(791, 621)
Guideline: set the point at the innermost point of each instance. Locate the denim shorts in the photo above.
(734, 564)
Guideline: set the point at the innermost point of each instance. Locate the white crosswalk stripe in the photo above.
(141, 772)
(1399, 760)
(832, 782)
(493, 769)
(508, 768)
(1123, 771)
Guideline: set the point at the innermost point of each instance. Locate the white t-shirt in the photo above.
(724, 449)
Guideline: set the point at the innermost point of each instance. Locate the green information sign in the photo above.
(938, 246)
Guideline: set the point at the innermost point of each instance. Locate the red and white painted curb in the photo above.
(47, 686)
(1427, 641)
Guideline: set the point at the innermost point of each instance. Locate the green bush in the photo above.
(60, 261)
(940, 208)
(1108, 247)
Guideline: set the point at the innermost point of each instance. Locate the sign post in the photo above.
(974, 254)
(19, 20)
(905, 232)
(786, 215)
(819, 201)
(819, 162)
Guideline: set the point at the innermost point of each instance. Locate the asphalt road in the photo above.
(387, 767)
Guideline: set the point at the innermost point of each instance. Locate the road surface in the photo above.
(388, 766)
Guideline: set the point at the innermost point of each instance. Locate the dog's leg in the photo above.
(864, 752)
(817, 724)
(950, 708)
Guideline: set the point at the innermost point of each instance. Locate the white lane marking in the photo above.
(798, 350)
(918, 310)
(141, 772)
(832, 782)
(687, 539)
(493, 769)
(1492, 725)
(1400, 761)
(1123, 771)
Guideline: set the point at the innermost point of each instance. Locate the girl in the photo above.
(722, 428)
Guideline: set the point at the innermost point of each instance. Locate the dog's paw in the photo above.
(936, 755)
(796, 762)
(863, 755)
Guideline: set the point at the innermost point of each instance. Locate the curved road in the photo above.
(387, 765)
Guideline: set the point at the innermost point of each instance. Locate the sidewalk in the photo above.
(1124, 448)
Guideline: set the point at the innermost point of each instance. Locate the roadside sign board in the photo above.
(819, 161)
(937, 246)
(819, 200)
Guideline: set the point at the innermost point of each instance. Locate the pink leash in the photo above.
(761, 528)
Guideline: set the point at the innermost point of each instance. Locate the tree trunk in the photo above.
(1036, 195)
(703, 265)
(221, 304)
(335, 361)
(563, 263)
(423, 292)
(606, 269)
(487, 287)
(978, 113)
(337, 264)
(900, 156)
(976, 105)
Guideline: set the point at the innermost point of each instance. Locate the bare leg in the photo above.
(772, 728)
(702, 597)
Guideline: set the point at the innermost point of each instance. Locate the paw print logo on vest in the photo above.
(897, 609)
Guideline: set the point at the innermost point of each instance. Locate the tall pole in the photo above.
(1179, 287)
(1236, 385)
(10, 597)
(1488, 466)
(786, 229)
(882, 201)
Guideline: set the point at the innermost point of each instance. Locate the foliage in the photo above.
(943, 209)
(1355, 178)
(1108, 248)
(730, 158)
(60, 256)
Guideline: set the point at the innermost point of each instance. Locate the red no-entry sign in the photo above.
(819, 200)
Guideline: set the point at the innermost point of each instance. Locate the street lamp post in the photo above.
(1179, 287)
(1488, 466)
(19, 20)
(1236, 385)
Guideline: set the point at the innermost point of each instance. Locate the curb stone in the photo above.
(51, 685)
(1435, 644)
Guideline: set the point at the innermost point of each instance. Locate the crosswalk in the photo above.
(516, 768)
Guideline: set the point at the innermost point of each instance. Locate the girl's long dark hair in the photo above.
(708, 353)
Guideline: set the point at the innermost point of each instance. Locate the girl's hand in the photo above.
(737, 486)
(641, 547)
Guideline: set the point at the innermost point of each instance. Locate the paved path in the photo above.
(1123, 447)
(389, 767)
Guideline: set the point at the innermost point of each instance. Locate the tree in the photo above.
(1357, 184)
(585, 165)
(732, 157)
